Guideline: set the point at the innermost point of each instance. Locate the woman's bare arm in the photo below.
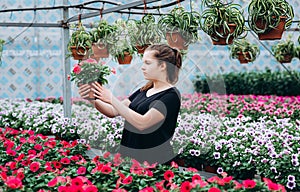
(141, 122)
(105, 108)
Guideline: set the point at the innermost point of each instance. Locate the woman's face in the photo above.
(151, 68)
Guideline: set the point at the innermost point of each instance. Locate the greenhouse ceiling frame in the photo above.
(64, 24)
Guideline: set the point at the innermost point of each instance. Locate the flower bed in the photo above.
(33, 162)
(237, 134)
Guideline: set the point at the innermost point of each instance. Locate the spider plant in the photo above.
(244, 50)
(285, 51)
(265, 16)
(80, 42)
(178, 20)
(144, 31)
(222, 22)
(101, 34)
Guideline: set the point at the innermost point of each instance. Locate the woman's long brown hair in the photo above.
(172, 57)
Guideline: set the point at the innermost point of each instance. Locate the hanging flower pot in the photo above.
(286, 59)
(100, 50)
(217, 40)
(244, 57)
(141, 48)
(79, 53)
(125, 58)
(273, 33)
(176, 40)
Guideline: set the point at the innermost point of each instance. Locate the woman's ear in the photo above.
(163, 66)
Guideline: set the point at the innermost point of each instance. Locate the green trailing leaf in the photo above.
(269, 12)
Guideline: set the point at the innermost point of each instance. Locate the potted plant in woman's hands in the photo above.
(89, 71)
(144, 32)
(222, 22)
(285, 51)
(79, 43)
(180, 27)
(269, 18)
(102, 38)
(243, 50)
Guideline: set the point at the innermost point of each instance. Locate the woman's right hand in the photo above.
(84, 90)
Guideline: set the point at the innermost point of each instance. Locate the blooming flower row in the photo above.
(52, 165)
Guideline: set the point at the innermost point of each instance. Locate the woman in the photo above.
(151, 112)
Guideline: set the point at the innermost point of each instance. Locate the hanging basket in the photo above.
(273, 34)
(126, 60)
(222, 40)
(175, 40)
(79, 53)
(286, 59)
(141, 48)
(244, 57)
(100, 50)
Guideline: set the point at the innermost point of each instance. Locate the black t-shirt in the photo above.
(153, 143)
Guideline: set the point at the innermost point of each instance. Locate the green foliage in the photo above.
(285, 48)
(269, 12)
(144, 31)
(121, 36)
(102, 33)
(184, 22)
(217, 17)
(80, 38)
(89, 71)
(244, 46)
(258, 83)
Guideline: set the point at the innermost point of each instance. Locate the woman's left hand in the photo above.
(102, 93)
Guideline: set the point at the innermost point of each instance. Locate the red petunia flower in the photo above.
(74, 158)
(31, 152)
(63, 189)
(106, 154)
(117, 159)
(76, 69)
(237, 185)
(168, 175)
(91, 188)
(81, 170)
(249, 184)
(38, 147)
(20, 157)
(56, 164)
(34, 166)
(160, 185)
(13, 182)
(53, 182)
(106, 169)
(77, 181)
(65, 161)
(185, 186)
(227, 179)
(127, 180)
(11, 152)
(196, 177)
(147, 189)
(174, 164)
(214, 189)
(12, 165)
(21, 175)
